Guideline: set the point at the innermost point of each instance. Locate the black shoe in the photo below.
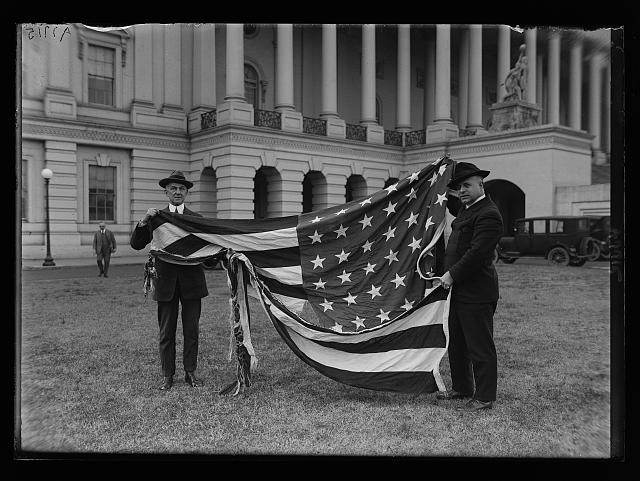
(100, 275)
(106, 275)
(167, 383)
(451, 395)
(476, 405)
(192, 380)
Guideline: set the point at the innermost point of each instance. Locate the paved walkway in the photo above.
(30, 264)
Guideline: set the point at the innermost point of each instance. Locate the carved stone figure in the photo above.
(516, 80)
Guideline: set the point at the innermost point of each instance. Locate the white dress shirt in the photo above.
(477, 200)
(179, 208)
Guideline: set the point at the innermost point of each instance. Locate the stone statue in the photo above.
(516, 80)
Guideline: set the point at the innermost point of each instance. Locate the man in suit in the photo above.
(471, 275)
(104, 243)
(175, 283)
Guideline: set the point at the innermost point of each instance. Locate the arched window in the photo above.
(378, 110)
(251, 86)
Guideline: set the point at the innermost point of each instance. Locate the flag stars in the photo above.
(320, 284)
(393, 256)
(434, 178)
(412, 219)
(384, 316)
(359, 322)
(391, 208)
(374, 291)
(369, 268)
(366, 221)
(407, 304)
(391, 188)
(327, 305)
(412, 194)
(367, 246)
(429, 223)
(342, 256)
(317, 219)
(350, 299)
(317, 262)
(341, 211)
(398, 281)
(337, 327)
(315, 237)
(442, 169)
(414, 177)
(390, 233)
(345, 276)
(342, 231)
(414, 245)
(366, 201)
(441, 199)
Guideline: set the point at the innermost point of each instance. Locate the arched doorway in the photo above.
(266, 193)
(314, 191)
(208, 195)
(510, 201)
(356, 188)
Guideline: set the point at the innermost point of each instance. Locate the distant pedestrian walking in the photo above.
(104, 244)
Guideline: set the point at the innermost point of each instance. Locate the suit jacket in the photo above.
(190, 278)
(475, 232)
(110, 241)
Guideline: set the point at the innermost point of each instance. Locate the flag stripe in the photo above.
(225, 227)
(286, 275)
(412, 338)
(277, 287)
(287, 257)
(186, 246)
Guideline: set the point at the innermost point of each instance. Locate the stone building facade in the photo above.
(274, 120)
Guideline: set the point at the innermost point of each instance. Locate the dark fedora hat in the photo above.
(177, 177)
(464, 170)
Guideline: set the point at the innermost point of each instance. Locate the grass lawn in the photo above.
(89, 372)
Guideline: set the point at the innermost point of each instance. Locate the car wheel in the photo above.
(559, 256)
(508, 260)
(577, 262)
(594, 252)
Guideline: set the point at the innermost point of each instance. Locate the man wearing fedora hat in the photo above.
(175, 283)
(471, 275)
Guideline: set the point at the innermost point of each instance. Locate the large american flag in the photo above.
(346, 287)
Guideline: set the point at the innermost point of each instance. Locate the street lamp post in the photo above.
(47, 174)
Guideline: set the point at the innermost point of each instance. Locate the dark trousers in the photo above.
(104, 256)
(168, 322)
(472, 353)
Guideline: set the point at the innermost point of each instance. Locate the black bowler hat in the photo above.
(177, 177)
(464, 170)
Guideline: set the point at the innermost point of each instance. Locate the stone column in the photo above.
(59, 100)
(463, 79)
(540, 91)
(475, 79)
(595, 99)
(172, 91)
(291, 193)
(61, 158)
(504, 60)
(531, 52)
(553, 78)
(575, 84)
(336, 127)
(235, 108)
(143, 65)
(403, 90)
(430, 84)
(235, 189)
(291, 120)
(336, 188)
(443, 127)
(375, 133)
(204, 73)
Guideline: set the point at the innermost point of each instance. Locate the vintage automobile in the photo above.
(562, 240)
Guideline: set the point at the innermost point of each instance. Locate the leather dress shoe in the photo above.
(476, 405)
(167, 383)
(192, 380)
(451, 395)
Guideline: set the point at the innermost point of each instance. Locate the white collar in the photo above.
(476, 201)
(179, 208)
